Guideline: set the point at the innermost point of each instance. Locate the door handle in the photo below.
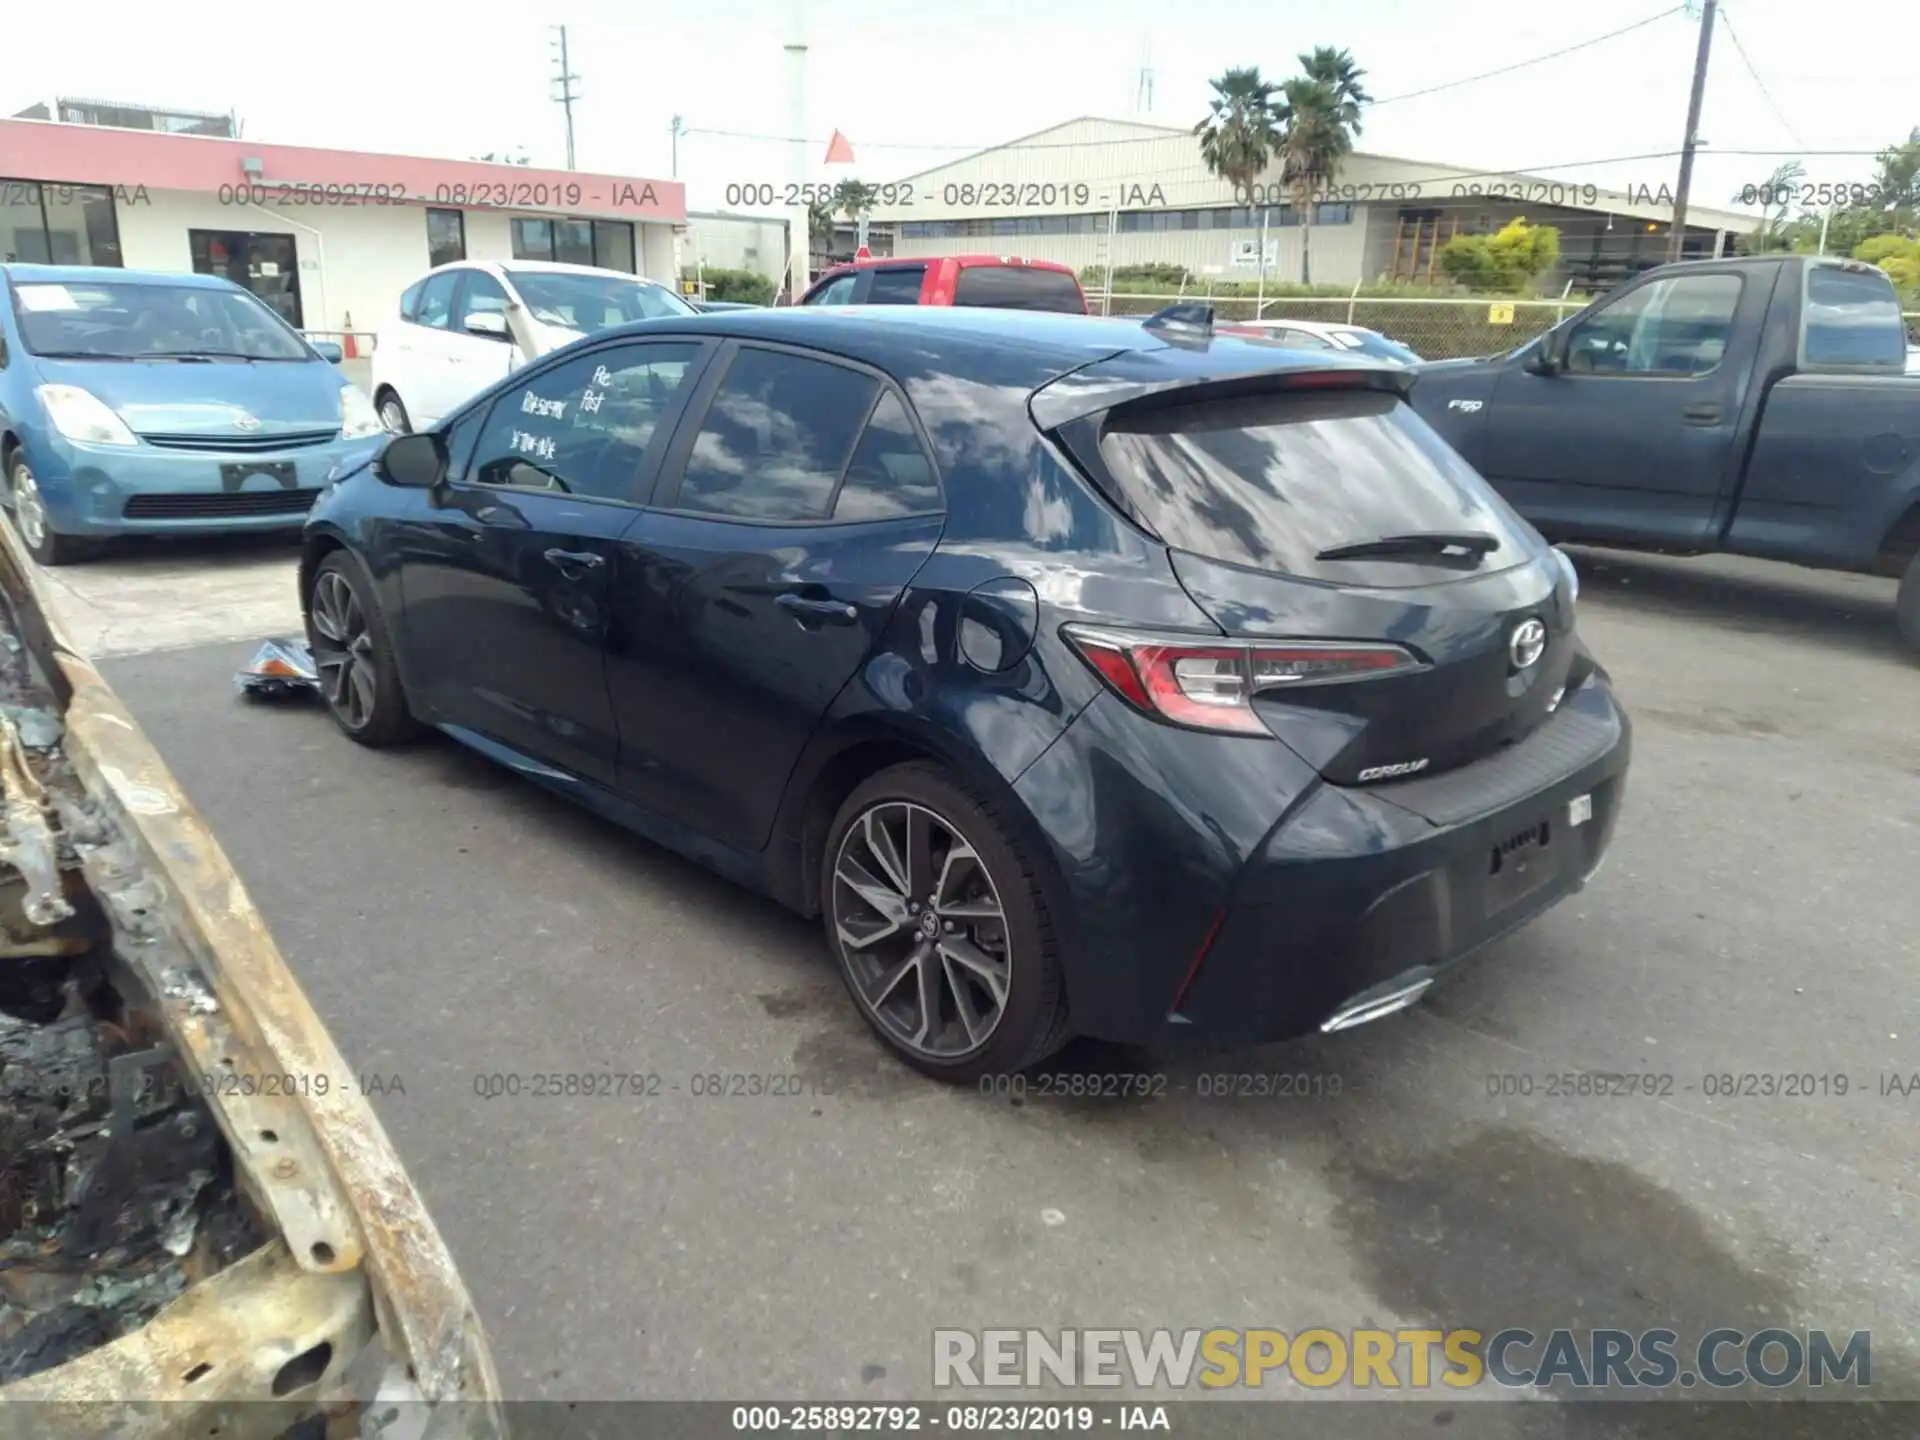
(1704, 414)
(575, 564)
(818, 612)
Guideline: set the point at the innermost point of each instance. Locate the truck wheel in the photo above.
(934, 910)
(43, 542)
(1906, 604)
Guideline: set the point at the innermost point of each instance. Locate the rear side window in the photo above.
(897, 287)
(1853, 319)
(1271, 481)
(1013, 287)
(776, 439)
(889, 474)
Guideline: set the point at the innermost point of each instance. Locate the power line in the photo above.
(1524, 64)
(1759, 84)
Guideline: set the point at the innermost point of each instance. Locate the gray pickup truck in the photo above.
(1754, 406)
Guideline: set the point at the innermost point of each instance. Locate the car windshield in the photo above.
(593, 302)
(121, 321)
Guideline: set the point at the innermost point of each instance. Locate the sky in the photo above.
(913, 84)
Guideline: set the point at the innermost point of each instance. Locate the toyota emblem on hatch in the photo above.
(1529, 641)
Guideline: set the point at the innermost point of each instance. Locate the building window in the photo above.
(58, 224)
(446, 237)
(605, 243)
(1330, 212)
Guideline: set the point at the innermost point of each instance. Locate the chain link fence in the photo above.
(1433, 329)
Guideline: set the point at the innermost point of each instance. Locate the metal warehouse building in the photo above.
(1122, 192)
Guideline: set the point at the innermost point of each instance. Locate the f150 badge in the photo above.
(1465, 407)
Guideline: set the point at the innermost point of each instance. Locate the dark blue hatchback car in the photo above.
(1085, 676)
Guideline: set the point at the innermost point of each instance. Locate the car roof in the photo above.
(1038, 346)
(27, 274)
(541, 267)
(1011, 262)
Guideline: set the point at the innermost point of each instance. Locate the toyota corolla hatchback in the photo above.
(1084, 678)
(144, 403)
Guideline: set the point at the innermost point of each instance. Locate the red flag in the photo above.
(839, 152)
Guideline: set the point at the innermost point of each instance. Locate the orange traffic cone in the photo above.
(349, 350)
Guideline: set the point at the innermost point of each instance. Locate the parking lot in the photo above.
(1756, 917)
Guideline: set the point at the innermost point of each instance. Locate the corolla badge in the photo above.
(1527, 643)
(244, 421)
(1465, 407)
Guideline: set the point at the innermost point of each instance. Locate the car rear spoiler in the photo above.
(1185, 373)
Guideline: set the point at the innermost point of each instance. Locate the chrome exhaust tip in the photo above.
(1377, 1003)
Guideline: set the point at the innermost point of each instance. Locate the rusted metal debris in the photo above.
(203, 1226)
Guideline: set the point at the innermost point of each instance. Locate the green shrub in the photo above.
(1506, 262)
(747, 286)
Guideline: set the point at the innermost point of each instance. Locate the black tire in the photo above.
(1033, 1020)
(373, 713)
(389, 404)
(43, 542)
(1906, 604)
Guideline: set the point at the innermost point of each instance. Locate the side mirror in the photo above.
(329, 352)
(1545, 358)
(490, 323)
(414, 462)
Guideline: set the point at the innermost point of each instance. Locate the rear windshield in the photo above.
(1271, 481)
(122, 321)
(1014, 287)
(1853, 318)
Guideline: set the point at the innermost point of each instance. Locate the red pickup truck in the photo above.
(1001, 282)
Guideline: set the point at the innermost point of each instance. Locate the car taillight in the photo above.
(1210, 684)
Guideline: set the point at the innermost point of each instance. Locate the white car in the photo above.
(465, 325)
(1913, 359)
(1325, 335)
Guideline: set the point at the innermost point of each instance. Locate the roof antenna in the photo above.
(1184, 318)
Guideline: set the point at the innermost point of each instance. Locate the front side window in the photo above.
(835, 292)
(481, 295)
(776, 439)
(582, 427)
(410, 299)
(1676, 326)
(436, 300)
(133, 322)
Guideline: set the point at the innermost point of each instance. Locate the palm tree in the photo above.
(820, 225)
(1319, 118)
(1239, 136)
(854, 199)
(1775, 195)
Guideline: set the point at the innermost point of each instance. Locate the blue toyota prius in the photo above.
(141, 403)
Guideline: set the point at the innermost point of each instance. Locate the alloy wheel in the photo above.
(343, 652)
(29, 510)
(393, 417)
(921, 929)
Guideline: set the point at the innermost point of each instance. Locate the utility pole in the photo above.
(1687, 146)
(676, 129)
(565, 80)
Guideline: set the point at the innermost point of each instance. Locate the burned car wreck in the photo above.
(203, 1227)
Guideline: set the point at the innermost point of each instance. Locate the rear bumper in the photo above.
(1312, 940)
(102, 490)
(1192, 923)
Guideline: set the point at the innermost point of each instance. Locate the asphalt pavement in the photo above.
(1757, 917)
